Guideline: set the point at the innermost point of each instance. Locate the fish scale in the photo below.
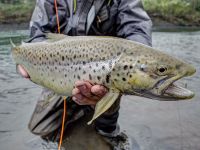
(123, 66)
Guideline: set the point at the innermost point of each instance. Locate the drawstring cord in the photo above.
(57, 17)
(63, 124)
(65, 99)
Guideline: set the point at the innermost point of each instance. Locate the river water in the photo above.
(154, 125)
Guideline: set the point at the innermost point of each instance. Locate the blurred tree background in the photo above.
(16, 11)
(178, 12)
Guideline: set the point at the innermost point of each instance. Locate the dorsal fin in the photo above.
(13, 45)
(53, 37)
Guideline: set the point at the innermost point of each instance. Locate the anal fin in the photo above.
(104, 104)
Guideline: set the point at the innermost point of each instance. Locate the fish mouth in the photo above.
(167, 89)
(176, 91)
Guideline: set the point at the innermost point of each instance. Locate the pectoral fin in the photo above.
(104, 104)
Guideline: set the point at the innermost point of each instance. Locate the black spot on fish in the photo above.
(57, 53)
(97, 64)
(125, 67)
(84, 72)
(79, 68)
(130, 67)
(50, 55)
(90, 77)
(78, 77)
(124, 79)
(63, 58)
(130, 76)
(65, 75)
(103, 67)
(108, 78)
(84, 62)
(118, 74)
(118, 53)
(55, 68)
(94, 70)
(99, 78)
(74, 56)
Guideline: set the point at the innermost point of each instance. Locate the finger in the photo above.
(84, 101)
(76, 100)
(22, 71)
(98, 90)
(75, 91)
(84, 88)
(81, 98)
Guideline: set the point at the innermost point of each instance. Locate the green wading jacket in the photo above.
(121, 18)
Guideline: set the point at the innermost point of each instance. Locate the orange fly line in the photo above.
(65, 105)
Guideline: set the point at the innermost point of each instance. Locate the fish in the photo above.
(122, 66)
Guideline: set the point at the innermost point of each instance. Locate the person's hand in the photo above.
(87, 94)
(22, 71)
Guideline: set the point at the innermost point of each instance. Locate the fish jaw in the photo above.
(166, 89)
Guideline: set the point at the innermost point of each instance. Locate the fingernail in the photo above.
(74, 98)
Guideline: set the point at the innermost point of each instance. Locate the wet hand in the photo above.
(87, 94)
(22, 71)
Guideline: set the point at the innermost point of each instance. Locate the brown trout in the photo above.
(123, 66)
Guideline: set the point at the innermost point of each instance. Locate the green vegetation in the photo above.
(180, 12)
(15, 11)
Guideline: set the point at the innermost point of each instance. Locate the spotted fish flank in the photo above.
(123, 66)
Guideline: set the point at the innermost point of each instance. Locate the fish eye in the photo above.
(161, 70)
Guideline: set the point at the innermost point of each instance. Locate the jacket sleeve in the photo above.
(133, 23)
(44, 18)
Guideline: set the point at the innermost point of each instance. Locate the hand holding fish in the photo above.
(87, 94)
